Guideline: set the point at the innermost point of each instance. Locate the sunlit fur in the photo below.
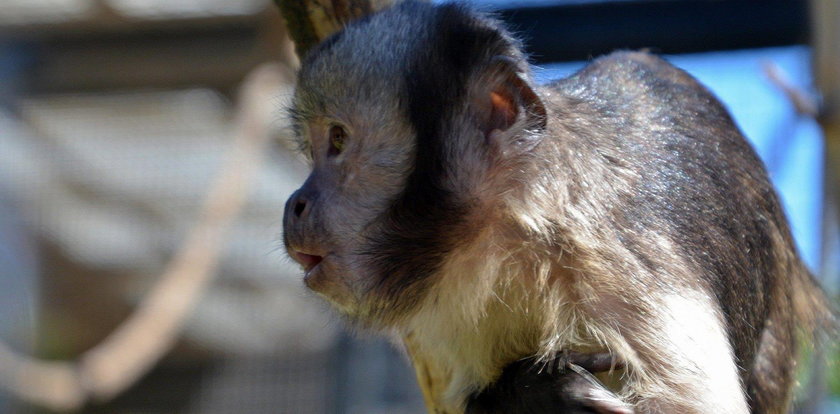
(634, 218)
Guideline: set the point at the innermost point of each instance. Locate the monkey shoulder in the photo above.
(679, 141)
(641, 102)
(642, 66)
(640, 84)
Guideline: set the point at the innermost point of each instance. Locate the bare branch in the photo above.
(311, 21)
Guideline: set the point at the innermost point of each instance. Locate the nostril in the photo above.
(299, 207)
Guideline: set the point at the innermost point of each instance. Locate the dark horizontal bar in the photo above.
(581, 31)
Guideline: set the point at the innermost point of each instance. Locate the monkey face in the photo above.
(411, 144)
(331, 222)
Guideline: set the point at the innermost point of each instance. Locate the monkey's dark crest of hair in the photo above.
(435, 81)
(639, 181)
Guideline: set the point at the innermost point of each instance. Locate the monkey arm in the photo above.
(563, 385)
(678, 356)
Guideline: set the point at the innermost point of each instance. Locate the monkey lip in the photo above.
(308, 261)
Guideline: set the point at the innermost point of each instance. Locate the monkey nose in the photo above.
(308, 261)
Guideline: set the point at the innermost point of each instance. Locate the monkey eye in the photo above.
(337, 137)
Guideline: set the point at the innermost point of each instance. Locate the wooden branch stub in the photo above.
(311, 21)
(300, 28)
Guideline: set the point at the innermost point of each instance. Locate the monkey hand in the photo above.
(561, 386)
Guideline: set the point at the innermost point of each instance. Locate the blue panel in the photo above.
(790, 145)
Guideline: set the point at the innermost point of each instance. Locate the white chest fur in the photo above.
(459, 342)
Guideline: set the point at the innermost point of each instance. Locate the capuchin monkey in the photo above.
(518, 238)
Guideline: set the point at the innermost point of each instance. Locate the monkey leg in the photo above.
(770, 382)
(563, 385)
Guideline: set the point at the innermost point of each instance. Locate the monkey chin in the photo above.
(325, 280)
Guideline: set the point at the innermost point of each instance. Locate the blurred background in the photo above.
(144, 166)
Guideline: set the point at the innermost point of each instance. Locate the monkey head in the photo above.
(415, 119)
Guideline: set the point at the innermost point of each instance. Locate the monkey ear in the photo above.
(505, 95)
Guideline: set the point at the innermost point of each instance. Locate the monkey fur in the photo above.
(491, 224)
(563, 385)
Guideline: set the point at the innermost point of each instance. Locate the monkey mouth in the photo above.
(308, 261)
